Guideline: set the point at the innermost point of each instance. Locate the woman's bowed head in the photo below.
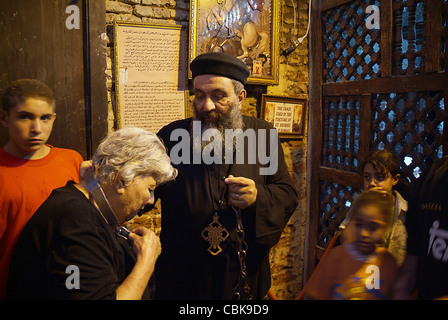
(128, 165)
(79, 229)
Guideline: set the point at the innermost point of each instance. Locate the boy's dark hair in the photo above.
(20, 90)
(384, 202)
(386, 161)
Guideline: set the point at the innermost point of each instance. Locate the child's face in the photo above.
(375, 179)
(369, 228)
(29, 125)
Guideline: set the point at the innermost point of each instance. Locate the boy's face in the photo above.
(29, 125)
(375, 179)
(369, 228)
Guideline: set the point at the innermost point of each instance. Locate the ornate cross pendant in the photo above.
(215, 233)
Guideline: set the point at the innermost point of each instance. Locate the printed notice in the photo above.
(282, 117)
(151, 75)
(286, 114)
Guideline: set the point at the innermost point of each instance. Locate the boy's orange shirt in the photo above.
(24, 186)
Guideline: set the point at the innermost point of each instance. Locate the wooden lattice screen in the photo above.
(371, 89)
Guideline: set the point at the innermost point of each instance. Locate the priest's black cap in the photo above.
(221, 64)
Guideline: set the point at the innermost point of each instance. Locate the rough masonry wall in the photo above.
(287, 257)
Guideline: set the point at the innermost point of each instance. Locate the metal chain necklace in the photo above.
(215, 233)
(242, 289)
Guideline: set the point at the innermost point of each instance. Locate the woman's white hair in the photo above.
(135, 153)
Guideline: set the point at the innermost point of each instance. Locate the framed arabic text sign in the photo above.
(246, 29)
(287, 115)
(150, 74)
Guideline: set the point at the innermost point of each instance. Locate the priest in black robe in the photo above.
(206, 253)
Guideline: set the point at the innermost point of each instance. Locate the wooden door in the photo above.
(36, 43)
(371, 88)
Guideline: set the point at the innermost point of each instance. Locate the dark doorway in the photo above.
(36, 43)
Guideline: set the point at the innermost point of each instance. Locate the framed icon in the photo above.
(246, 29)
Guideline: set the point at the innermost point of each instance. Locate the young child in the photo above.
(381, 171)
(29, 168)
(361, 269)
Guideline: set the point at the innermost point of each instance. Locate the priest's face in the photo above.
(216, 104)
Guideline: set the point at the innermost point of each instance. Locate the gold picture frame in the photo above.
(247, 29)
(287, 115)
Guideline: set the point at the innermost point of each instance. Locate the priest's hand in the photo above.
(242, 191)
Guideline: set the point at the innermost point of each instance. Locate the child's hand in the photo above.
(379, 189)
(84, 167)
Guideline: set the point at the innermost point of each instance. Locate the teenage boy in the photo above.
(29, 168)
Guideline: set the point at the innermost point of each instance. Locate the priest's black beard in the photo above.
(233, 119)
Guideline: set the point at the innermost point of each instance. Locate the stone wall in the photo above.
(287, 258)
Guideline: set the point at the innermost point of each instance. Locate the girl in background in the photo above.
(362, 269)
(381, 172)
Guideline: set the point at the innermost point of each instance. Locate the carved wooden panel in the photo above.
(444, 38)
(341, 132)
(409, 17)
(351, 50)
(335, 202)
(372, 89)
(410, 124)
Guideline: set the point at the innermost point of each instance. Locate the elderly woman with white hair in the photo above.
(74, 246)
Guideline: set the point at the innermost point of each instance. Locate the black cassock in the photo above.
(185, 268)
